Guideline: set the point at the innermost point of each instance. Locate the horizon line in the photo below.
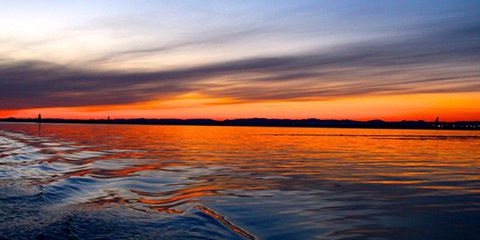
(230, 119)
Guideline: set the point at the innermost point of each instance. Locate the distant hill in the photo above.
(312, 122)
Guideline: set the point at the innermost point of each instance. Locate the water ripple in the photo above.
(96, 181)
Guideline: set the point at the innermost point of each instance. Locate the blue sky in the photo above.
(79, 31)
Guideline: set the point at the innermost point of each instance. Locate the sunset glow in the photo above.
(452, 107)
(241, 59)
(239, 119)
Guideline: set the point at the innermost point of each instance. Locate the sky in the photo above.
(390, 60)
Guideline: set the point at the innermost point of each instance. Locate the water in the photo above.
(74, 181)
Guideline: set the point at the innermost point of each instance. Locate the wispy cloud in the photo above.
(207, 39)
(436, 59)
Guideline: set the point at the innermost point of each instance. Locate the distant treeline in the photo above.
(268, 122)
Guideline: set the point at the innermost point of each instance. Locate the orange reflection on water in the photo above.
(172, 169)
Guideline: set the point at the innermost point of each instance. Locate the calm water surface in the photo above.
(76, 181)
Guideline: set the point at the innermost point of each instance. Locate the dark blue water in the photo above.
(77, 181)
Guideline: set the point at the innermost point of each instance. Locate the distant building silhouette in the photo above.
(39, 117)
(437, 123)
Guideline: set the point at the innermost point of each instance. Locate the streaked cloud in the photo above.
(290, 52)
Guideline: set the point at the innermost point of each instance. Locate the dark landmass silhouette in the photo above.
(265, 122)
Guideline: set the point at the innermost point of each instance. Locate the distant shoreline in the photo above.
(264, 122)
